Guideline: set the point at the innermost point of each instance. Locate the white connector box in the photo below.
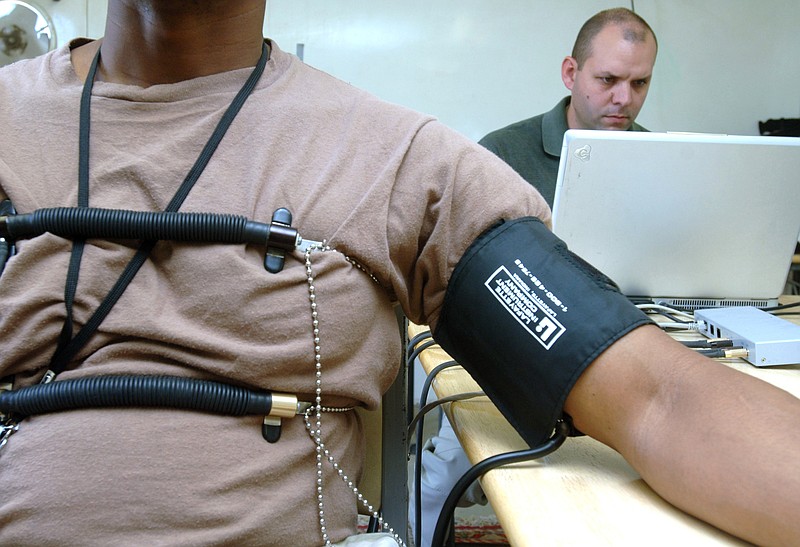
(769, 340)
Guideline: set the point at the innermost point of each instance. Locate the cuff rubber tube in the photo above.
(525, 317)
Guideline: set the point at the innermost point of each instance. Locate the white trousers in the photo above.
(443, 463)
(368, 540)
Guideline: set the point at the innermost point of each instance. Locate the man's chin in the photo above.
(616, 124)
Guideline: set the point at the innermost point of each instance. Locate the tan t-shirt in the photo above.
(392, 191)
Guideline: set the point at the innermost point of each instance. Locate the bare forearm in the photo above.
(717, 443)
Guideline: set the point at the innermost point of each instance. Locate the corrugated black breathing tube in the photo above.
(135, 391)
(84, 222)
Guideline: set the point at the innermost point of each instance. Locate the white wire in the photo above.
(694, 325)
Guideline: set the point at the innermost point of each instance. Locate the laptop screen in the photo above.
(695, 220)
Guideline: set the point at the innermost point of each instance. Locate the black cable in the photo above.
(685, 309)
(782, 307)
(410, 348)
(418, 456)
(710, 343)
(672, 317)
(439, 402)
(779, 314)
(476, 471)
(418, 420)
(219, 132)
(412, 354)
(76, 254)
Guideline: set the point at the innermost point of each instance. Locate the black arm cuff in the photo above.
(525, 317)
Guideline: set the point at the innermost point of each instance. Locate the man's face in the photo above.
(608, 91)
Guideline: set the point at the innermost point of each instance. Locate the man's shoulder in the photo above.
(527, 125)
(526, 130)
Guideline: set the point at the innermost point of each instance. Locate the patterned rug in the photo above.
(470, 530)
(479, 530)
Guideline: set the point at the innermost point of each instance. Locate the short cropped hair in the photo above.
(635, 29)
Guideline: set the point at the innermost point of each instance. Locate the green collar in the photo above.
(554, 125)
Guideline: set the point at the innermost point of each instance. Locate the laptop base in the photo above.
(703, 303)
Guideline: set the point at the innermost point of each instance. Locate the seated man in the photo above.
(404, 214)
(608, 75)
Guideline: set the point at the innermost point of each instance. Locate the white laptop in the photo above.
(691, 220)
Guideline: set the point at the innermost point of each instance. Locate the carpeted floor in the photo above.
(479, 530)
(470, 530)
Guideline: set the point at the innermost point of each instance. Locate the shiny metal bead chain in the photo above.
(315, 430)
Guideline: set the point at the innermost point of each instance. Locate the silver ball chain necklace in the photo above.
(315, 429)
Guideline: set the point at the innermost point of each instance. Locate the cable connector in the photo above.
(720, 353)
(741, 353)
(710, 343)
(689, 325)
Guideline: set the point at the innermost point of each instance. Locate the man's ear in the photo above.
(569, 66)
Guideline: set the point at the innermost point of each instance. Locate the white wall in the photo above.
(96, 17)
(73, 18)
(723, 65)
(65, 19)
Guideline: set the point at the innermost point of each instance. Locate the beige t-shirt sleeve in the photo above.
(466, 190)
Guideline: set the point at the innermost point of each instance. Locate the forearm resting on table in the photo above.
(715, 442)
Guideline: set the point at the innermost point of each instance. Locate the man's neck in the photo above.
(572, 118)
(150, 42)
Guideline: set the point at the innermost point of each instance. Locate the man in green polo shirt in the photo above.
(608, 74)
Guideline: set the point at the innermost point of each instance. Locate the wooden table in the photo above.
(584, 493)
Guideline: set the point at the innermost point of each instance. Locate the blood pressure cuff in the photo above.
(525, 317)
